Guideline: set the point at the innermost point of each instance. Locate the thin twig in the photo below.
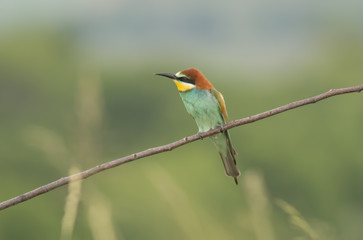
(168, 147)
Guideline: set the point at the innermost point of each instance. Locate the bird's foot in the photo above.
(221, 129)
(200, 135)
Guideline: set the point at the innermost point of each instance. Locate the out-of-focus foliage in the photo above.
(78, 90)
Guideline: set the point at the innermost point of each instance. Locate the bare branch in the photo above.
(151, 151)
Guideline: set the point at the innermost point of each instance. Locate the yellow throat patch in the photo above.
(182, 86)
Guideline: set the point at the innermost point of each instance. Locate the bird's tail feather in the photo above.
(230, 166)
(227, 154)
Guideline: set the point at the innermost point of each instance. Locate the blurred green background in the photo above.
(77, 89)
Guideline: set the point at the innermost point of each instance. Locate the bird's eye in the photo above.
(186, 80)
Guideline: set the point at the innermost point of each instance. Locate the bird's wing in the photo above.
(222, 105)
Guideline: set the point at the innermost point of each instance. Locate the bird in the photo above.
(206, 105)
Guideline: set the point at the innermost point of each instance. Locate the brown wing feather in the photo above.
(222, 105)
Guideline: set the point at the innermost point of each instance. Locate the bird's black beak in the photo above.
(168, 75)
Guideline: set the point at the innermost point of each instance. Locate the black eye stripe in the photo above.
(186, 80)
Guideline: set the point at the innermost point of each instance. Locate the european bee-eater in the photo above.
(207, 107)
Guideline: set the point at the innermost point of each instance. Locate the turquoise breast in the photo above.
(203, 107)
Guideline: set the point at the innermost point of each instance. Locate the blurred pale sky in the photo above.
(247, 33)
